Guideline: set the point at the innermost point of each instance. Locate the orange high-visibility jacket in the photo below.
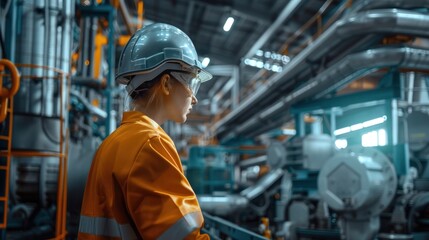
(136, 188)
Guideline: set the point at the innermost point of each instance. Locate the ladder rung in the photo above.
(4, 153)
(3, 199)
(4, 138)
(3, 168)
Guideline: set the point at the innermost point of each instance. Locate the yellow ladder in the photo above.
(6, 113)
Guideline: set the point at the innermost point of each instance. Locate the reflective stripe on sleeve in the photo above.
(107, 227)
(183, 227)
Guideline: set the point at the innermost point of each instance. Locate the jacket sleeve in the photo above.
(159, 198)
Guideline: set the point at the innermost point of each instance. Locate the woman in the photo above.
(136, 188)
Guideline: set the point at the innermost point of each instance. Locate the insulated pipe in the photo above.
(222, 205)
(262, 185)
(92, 109)
(340, 74)
(390, 21)
(64, 54)
(230, 203)
(364, 5)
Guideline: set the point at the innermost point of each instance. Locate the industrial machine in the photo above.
(350, 193)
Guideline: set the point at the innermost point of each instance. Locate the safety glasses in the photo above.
(189, 80)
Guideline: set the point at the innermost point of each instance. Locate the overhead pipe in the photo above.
(389, 21)
(289, 9)
(365, 5)
(189, 14)
(300, 32)
(360, 6)
(349, 68)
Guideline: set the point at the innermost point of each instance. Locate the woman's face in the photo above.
(180, 101)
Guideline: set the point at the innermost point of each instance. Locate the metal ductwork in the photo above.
(340, 74)
(390, 21)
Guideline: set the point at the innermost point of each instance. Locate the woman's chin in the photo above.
(181, 120)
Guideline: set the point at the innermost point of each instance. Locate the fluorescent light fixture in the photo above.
(267, 54)
(342, 131)
(205, 62)
(374, 121)
(288, 131)
(228, 24)
(362, 125)
(356, 127)
(341, 143)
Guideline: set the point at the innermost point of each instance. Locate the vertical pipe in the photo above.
(88, 26)
(23, 53)
(60, 186)
(236, 87)
(333, 122)
(111, 63)
(10, 36)
(64, 56)
(426, 79)
(316, 126)
(410, 76)
(400, 158)
(299, 125)
(51, 13)
(38, 30)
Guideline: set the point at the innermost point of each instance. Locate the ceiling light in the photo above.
(205, 62)
(228, 24)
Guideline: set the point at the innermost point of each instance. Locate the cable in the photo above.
(3, 47)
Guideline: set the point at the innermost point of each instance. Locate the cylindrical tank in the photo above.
(43, 53)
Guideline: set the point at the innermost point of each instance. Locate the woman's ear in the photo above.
(166, 84)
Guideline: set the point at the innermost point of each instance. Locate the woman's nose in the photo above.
(194, 99)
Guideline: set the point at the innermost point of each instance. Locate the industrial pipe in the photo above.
(390, 21)
(343, 72)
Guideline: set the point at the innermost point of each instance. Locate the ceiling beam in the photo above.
(189, 14)
(246, 13)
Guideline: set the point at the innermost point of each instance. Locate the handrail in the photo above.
(6, 93)
(6, 96)
(62, 154)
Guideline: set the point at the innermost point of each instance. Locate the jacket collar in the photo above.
(135, 116)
